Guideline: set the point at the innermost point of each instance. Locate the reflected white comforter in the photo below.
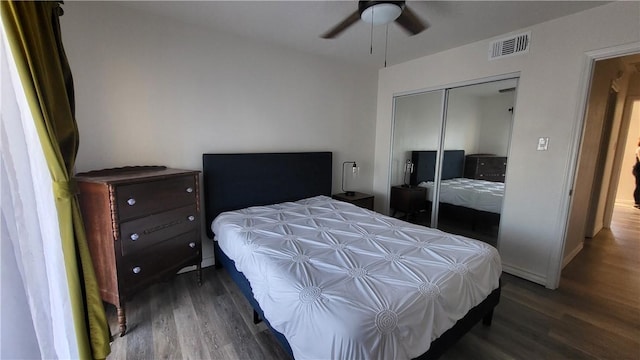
(475, 194)
(342, 282)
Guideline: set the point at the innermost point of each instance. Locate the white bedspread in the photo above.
(342, 282)
(475, 194)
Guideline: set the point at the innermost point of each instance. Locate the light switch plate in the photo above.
(543, 143)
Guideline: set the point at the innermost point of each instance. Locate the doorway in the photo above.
(625, 186)
(614, 83)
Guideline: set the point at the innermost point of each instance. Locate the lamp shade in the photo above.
(408, 170)
(354, 170)
(383, 13)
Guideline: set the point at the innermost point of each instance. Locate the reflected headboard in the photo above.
(236, 181)
(424, 165)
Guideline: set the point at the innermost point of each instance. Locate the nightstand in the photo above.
(408, 200)
(359, 199)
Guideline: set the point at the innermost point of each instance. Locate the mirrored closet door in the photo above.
(417, 125)
(450, 153)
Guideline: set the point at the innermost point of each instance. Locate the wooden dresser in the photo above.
(142, 224)
(485, 167)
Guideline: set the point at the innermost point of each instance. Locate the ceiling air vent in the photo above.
(513, 45)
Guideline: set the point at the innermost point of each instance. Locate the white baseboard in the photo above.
(567, 259)
(625, 202)
(210, 261)
(206, 262)
(525, 274)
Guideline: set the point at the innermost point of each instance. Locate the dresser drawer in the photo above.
(141, 199)
(138, 270)
(485, 167)
(136, 235)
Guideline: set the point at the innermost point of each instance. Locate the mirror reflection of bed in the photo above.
(471, 192)
(471, 126)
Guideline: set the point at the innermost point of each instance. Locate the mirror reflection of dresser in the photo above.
(485, 167)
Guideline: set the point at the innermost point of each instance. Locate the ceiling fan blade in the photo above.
(411, 22)
(355, 16)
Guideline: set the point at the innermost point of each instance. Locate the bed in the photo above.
(465, 204)
(455, 189)
(480, 195)
(298, 256)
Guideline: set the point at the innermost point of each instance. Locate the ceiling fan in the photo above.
(381, 12)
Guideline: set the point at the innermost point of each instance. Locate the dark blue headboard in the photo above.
(424, 165)
(236, 181)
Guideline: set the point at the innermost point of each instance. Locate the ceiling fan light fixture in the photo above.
(381, 13)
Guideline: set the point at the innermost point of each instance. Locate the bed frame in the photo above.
(235, 181)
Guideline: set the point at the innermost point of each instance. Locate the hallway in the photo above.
(604, 280)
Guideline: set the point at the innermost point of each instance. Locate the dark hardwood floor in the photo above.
(595, 313)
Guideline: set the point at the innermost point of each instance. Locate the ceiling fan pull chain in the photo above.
(386, 43)
(371, 46)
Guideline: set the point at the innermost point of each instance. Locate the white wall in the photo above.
(417, 127)
(463, 122)
(602, 144)
(550, 89)
(494, 134)
(152, 90)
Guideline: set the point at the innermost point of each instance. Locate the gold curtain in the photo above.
(33, 31)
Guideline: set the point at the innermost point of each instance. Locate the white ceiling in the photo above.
(299, 24)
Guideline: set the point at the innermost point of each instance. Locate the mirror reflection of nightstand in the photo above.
(359, 199)
(408, 200)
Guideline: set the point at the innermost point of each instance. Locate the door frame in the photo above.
(556, 257)
(607, 133)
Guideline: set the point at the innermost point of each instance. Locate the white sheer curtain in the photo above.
(30, 226)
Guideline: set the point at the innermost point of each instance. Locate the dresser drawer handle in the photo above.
(131, 201)
(191, 218)
(192, 245)
(189, 190)
(134, 236)
(137, 269)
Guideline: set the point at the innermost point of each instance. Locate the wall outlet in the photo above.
(543, 143)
